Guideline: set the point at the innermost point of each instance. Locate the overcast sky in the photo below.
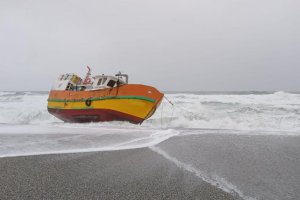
(201, 45)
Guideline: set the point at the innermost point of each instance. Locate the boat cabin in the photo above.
(103, 81)
(66, 82)
(73, 82)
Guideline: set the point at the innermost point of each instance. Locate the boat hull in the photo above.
(133, 103)
(93, 115)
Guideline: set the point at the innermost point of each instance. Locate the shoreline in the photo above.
(194, 166)
(127, 174)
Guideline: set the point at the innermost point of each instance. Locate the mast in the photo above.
(87, 79)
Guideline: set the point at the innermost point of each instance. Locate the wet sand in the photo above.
(128, 174)
(254, 166)
(193, 166)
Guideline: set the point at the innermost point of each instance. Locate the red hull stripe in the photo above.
(103, 98)
(93, 115)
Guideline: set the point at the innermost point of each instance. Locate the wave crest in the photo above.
(278, 111)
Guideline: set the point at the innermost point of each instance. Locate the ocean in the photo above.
(244, 143)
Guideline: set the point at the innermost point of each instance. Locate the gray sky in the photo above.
(174, 45)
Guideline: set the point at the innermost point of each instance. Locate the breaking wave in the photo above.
(24, 108)
(279, 111)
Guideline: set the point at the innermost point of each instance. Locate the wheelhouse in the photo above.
(73, 82)
(103, 81)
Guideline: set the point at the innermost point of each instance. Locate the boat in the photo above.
(102, 98)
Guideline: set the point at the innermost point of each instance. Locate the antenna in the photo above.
(121, 75)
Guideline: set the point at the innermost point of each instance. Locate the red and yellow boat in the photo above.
(102, 98)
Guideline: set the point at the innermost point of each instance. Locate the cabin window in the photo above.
(111, 83)
(68, 86)
(104, 79)
(99, 81)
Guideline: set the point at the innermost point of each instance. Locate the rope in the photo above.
(171, 114)
(161, 114)
(168, 100)
(173, 107)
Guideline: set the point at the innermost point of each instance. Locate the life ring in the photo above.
(88, 102)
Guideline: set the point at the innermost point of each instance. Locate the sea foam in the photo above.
(278, 111)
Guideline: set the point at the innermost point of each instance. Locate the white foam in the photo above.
(35, 139)
(214, 180)
(24, 108)
(21, 141)
(265, 112)
(268, 112)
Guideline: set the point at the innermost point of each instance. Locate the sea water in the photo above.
(26, 128)
(25, 114)
(278, 111)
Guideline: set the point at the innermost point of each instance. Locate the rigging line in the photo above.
(161, 114)
(171, 117)
(173, 108)
(168, 100)
(172, 111)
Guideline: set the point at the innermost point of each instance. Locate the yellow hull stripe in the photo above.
(135, 107)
